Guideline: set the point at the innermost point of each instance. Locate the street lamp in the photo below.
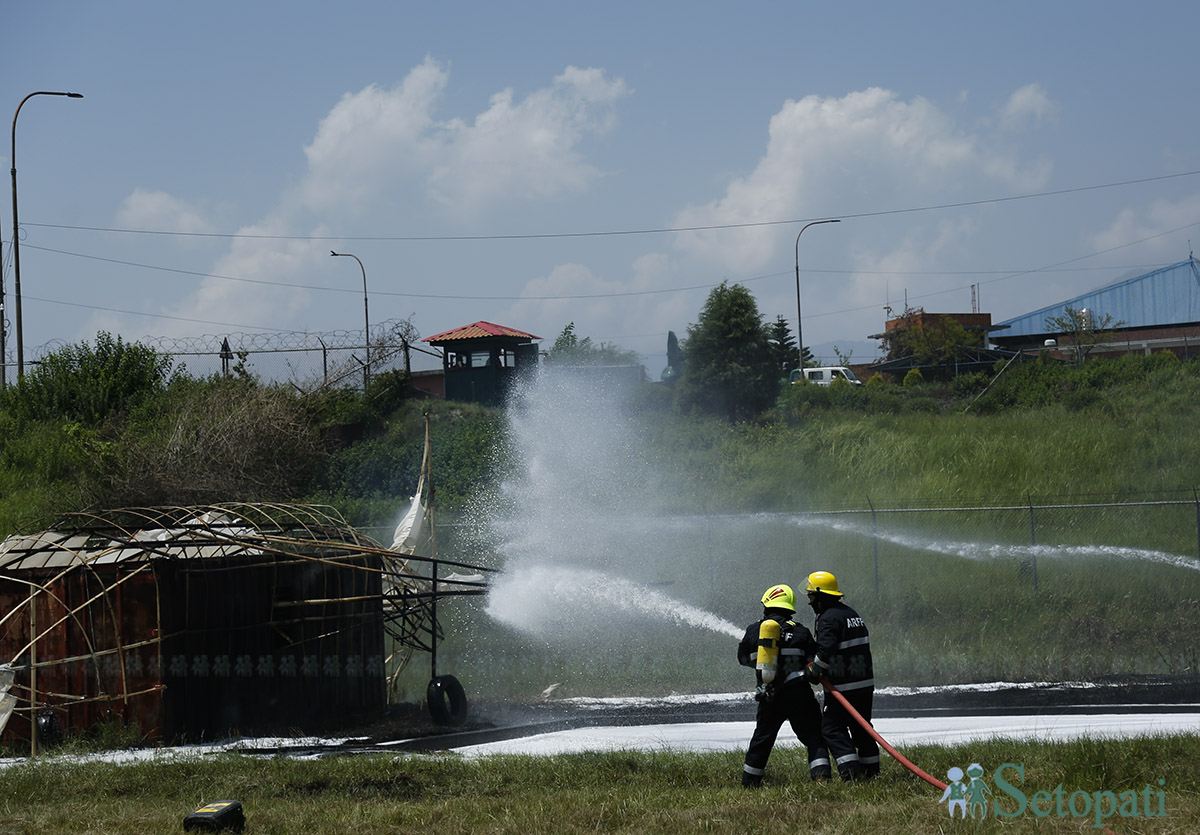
(366, 318)
(799, 326)
(15, 244)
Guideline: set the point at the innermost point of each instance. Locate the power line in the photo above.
(1059, 266)
(618, 232)
(159, 315)
(1049, 268)
(292, 285)
(1002, 274)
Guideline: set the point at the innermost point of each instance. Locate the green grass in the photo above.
(656, 791)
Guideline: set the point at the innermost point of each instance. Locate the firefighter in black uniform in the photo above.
(844, 658)
(779, 649)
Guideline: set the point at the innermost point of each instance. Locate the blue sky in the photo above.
(520, 164)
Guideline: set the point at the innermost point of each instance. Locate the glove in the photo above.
(813, 673)
(764, 693)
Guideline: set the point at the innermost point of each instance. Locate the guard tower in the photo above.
(482, 361)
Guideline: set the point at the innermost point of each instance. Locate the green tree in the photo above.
(89, 384)
(783, 345)
(1082, 330)
(729, 367)
(569, 349)
(930, 339)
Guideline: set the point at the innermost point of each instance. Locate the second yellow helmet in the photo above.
(823, 582)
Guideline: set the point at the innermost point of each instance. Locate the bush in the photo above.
(913, 378)
(969, 385)
(90, 384)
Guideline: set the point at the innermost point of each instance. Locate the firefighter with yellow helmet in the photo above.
(779, 649)
(843, 658)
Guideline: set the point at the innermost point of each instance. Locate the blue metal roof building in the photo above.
(1159, 301)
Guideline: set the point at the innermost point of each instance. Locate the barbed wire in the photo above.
(278, 341)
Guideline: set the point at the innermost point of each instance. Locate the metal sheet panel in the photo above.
(1168, 296)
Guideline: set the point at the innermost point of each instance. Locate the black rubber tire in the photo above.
(447, 700)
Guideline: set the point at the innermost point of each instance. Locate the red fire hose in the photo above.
(900, 758)
(896, 755)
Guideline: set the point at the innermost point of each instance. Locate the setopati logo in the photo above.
(1009, 800)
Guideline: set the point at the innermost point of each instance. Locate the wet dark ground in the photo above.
(408, 727)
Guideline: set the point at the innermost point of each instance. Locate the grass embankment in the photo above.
(1109, 427)
(613, 792)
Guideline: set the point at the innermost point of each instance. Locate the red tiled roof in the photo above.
(478, 330)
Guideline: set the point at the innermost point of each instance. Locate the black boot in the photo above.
(850, 772)
(751, 781)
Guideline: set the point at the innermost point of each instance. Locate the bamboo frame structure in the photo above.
(197, 621)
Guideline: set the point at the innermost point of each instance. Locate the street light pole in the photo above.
(799, 326)
(3, 327)
(366, 318)
(16, 248)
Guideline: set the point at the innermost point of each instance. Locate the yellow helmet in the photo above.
(823, 582)
(779, 597)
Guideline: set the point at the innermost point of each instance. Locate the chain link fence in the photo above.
(1030, 590)
(1095, 589)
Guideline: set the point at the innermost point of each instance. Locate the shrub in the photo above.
(913, 378)
(969, 385)
(90, 384)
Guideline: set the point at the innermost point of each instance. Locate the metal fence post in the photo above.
(874, 544)
(1196, 501)
(712, 579)
(1032, 543)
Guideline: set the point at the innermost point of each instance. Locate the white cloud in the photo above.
(145, 209)
(525, 149)
(912, 254)
(518, 149)
(611, 316)
(1135, 225)
(865, 150)
(825, 155)
(373, 139)
(1027, 108)
(379, 142)
(254, 258)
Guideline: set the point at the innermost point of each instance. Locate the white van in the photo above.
(825, 375)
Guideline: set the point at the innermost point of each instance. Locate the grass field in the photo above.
(657, 791)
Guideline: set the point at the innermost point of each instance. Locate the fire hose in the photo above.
(896, 755)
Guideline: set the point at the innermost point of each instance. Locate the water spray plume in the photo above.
(586, 543)
(993, 550)
(530, 599)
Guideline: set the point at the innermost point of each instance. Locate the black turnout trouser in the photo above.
(854, 751)
(795, 704)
